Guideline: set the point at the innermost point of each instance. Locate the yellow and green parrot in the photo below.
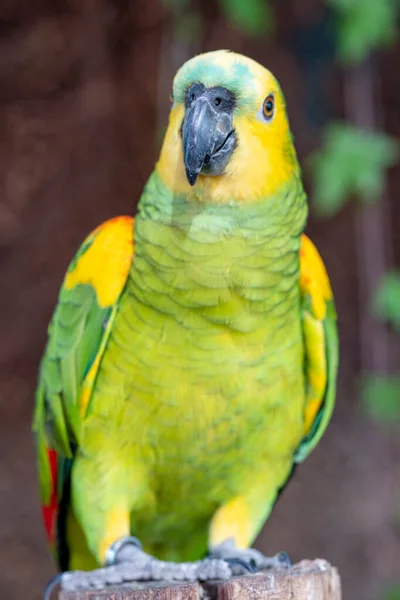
(192, 356)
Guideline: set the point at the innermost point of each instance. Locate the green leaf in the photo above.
(386, 303)
(381, 398)
(351, 161)
(392, 593)
(251, 16)
(364, 25)
(188, 27)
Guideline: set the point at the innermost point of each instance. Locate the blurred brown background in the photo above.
(84, 98)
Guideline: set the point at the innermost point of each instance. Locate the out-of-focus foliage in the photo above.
(252, 16)
(364, 26)
(351, 161)
(381, 398)
(386, 303)
(392, 593)
(381, 394)
(187, 24)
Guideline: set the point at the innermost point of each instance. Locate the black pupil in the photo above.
(269, 106)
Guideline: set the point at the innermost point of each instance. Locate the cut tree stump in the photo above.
(307, 580)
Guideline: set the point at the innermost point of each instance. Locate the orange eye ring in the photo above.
(171, 98)
(268, 108)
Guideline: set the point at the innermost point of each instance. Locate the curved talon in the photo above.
(250, 566)
(113, 551)
(51, 585)
(284, 558)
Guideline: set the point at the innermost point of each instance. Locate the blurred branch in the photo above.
(181, 39)
(373, 234)
(354, 159)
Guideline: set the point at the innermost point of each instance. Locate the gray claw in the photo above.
(143, 567)
(51, 585)
(249, 566)
(249, 558)
(284, 559)
(116, 547)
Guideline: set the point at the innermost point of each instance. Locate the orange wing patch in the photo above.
(106, 262)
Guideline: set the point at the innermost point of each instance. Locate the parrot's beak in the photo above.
(208, 136)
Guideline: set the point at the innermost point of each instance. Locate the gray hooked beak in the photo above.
(207, 133)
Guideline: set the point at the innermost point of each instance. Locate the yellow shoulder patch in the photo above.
(314, 282)
(106, 262)
(313, 277)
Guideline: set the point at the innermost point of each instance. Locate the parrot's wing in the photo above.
(78, 335)
(321, 346)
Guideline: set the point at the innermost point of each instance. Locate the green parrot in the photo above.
(192, 356)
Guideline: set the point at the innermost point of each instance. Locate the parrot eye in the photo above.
(268, 107)
(171, 97)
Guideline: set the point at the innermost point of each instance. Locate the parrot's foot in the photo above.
(126, 562)
(249, 557)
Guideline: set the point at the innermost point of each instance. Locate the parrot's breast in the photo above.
(201, 386)
(200, 392)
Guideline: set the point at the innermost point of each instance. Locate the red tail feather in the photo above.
(50, 512)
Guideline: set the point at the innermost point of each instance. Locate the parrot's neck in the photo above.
(223, 262)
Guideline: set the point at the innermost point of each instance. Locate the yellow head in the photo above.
(228, 136)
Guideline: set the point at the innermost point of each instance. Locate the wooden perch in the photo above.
(308, 580)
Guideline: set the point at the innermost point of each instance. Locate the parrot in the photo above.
(192, 356)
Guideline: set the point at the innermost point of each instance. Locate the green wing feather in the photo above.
(77, 337)
(324, 413)
(321, 347)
